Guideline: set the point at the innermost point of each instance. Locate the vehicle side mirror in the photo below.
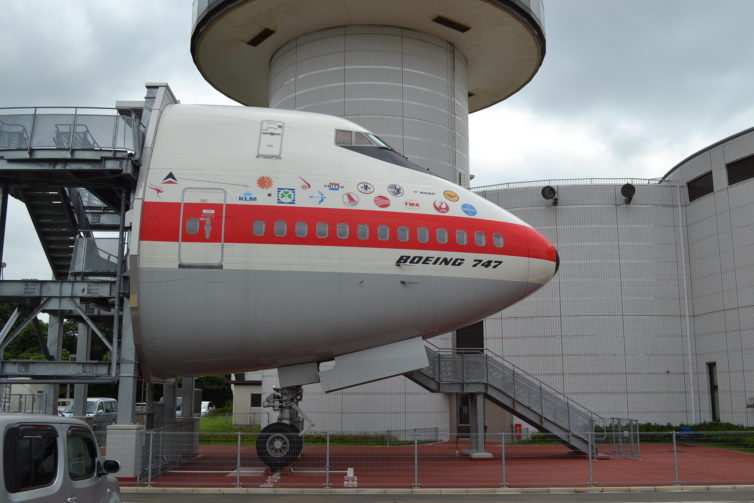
(110, 466)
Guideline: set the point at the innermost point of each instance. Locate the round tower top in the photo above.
(503, 41)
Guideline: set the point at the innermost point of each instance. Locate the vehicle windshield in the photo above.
(90, 405)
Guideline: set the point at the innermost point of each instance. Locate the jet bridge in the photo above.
(75, 169)
(482, 373)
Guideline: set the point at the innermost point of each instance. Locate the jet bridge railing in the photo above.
(463, 366)
(70, 128)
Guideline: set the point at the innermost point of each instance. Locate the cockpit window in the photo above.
(361, 139)
(373, 146)
(358, 138)
(343, 137)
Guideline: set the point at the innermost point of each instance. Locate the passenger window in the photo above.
(257, 228)
(82, 454)
(322, 230)
(302, 229)
(383, 232)
(403, 233)
(30, 457)
(342, 231)
(422, 234)
(461, 237)
(281, 228)
(362, 231)
(497, 240)
(479, 238)
(442, 236)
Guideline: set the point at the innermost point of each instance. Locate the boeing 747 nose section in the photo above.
(544, 260)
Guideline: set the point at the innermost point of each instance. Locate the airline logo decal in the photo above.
(158, 190)
(411, 204)
(350, 199)
(469, 209)
(170, 179)
(319, 197)
(424, 192)
(247, 197)
(334, 186)
(286, 196)
(450, 196)
(365, 187)
(264, 182)
(306, 185)
(395, 190)
(381, 201)
(441, 206)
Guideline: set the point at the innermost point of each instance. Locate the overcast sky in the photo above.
(628, 88)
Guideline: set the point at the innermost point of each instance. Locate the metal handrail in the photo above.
(573, 181)
(79, 118)
(593, 417)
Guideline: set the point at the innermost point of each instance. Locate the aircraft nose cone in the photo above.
(544, 260)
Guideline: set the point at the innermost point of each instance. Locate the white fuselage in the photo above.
(270, 238)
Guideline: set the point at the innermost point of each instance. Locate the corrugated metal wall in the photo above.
(609, 330)
(407, 87)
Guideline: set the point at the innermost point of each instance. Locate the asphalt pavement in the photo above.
(636, 495)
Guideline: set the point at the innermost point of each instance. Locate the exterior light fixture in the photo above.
(628, 191)
(550, 194)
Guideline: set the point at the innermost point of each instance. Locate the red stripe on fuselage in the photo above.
(161, 222)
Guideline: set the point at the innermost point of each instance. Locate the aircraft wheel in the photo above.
(279, 444)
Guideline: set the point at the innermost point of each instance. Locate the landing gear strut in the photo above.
(279, 444)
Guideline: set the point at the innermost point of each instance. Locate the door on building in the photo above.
(713, 391)
(468, 339)
(202, 232)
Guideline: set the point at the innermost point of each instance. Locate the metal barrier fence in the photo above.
(436, 459)
(69, 128)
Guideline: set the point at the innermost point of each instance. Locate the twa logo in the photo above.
(381, 202)
(411, 205)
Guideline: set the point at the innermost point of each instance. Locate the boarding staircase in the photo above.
(521, 394)
(52, 215)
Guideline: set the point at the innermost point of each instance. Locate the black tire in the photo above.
(279, 444)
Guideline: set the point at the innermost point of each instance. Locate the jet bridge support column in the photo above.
(83, 353)
(54, 349)
(3, 219)
(124, 437)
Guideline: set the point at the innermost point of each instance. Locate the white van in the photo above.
(103, 410)
(52, 459)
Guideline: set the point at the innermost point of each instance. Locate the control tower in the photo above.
(408, 70)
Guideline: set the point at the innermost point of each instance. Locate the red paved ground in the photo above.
(444, 465)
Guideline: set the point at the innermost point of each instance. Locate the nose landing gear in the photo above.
(279, 444)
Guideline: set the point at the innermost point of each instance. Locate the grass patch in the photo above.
(221, 423)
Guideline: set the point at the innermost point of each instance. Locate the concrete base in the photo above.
(480, 455)
(124, 444)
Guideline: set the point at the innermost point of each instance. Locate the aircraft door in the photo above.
(202, 232)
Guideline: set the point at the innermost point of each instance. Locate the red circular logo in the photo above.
(441, 206)
(381, 202)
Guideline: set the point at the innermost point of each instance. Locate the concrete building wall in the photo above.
(721, 257)
(407, 87)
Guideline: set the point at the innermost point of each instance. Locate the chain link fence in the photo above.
(429, 458)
